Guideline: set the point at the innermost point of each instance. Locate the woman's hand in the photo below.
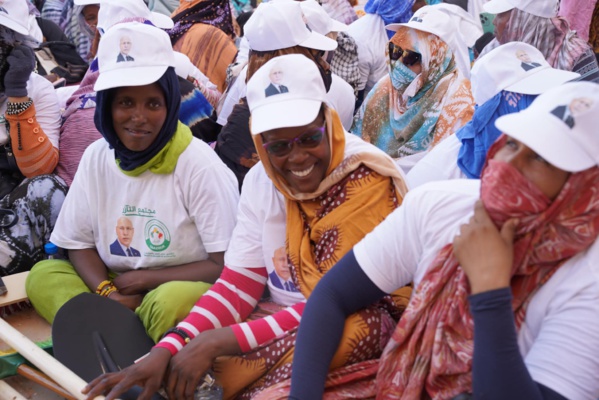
(189, 365)
(133, 282)
(148, 374)
(130, 301)
(485, 253)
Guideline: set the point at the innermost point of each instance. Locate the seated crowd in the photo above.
(313, 199)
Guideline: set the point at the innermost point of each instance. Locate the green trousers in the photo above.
(51, 283)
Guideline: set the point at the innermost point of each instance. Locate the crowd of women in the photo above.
(416, 185)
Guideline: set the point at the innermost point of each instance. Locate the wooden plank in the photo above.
(15, 284)
(45, 362)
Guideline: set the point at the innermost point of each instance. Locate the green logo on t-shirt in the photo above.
(157, 235)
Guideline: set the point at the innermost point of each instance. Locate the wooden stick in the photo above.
(44, 380)
(45, 362)
(7, 392)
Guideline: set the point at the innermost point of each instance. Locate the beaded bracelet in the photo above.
(102, 285)
(17, 108)
(180, 332)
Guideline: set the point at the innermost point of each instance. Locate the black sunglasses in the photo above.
(408, 57)
(307, 140)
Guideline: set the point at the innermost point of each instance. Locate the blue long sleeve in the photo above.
(498, 369)
(344, 290)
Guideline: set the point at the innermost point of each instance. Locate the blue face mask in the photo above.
(401, 75)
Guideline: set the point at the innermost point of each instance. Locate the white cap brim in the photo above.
(9, 23)
(289, 113)
(410, 24)
(319, 42)
(130, 76)
(543, 79)
(336, 26)
(546, 139)
(161, 20)
(498, 6)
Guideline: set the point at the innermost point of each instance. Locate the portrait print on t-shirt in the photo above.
(141, 234)
(124, 233)
(280, 277)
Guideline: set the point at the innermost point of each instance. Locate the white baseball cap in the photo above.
(149, 56)
(540, 8)
(560, 125)
(14, 14)
(114, 11)
(451, 24)
(516, 67)
(279, 25)
(319, 20)
(295, 102)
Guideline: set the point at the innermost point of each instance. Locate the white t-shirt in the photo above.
(439, 164)
(340, 97)
(262, 220)
(47, 110)
(177, 218)
(372, 40)
(559, 338)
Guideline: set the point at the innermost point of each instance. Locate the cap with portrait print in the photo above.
(280, 24)
(149, 55)
(560, 125)
(14, 14)
(540, 8)
(516, 67)
(287, 91)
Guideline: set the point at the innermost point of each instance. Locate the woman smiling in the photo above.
(316, 192)
(149, 204)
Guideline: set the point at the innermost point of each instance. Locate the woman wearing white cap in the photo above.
(536, 23)
(317, 191)
(150, 204)
(78, 131)
(506, 80)
(274, 29)
(505, 272)
(426, 96)
(29, 127)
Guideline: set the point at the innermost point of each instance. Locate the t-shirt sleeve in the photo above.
(245, 250)
(74, 227)
(389, 254)
(212, 196)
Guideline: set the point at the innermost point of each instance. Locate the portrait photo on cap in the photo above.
(133, 54)
(560, 126)
(287, 91)
(515, 67)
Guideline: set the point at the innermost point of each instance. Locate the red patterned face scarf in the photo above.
(430, 353)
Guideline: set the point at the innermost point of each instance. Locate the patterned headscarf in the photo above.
(560, 46)
(129, 159)
(432, 346)
(214, 12)
(400, 116)
(480, 133)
